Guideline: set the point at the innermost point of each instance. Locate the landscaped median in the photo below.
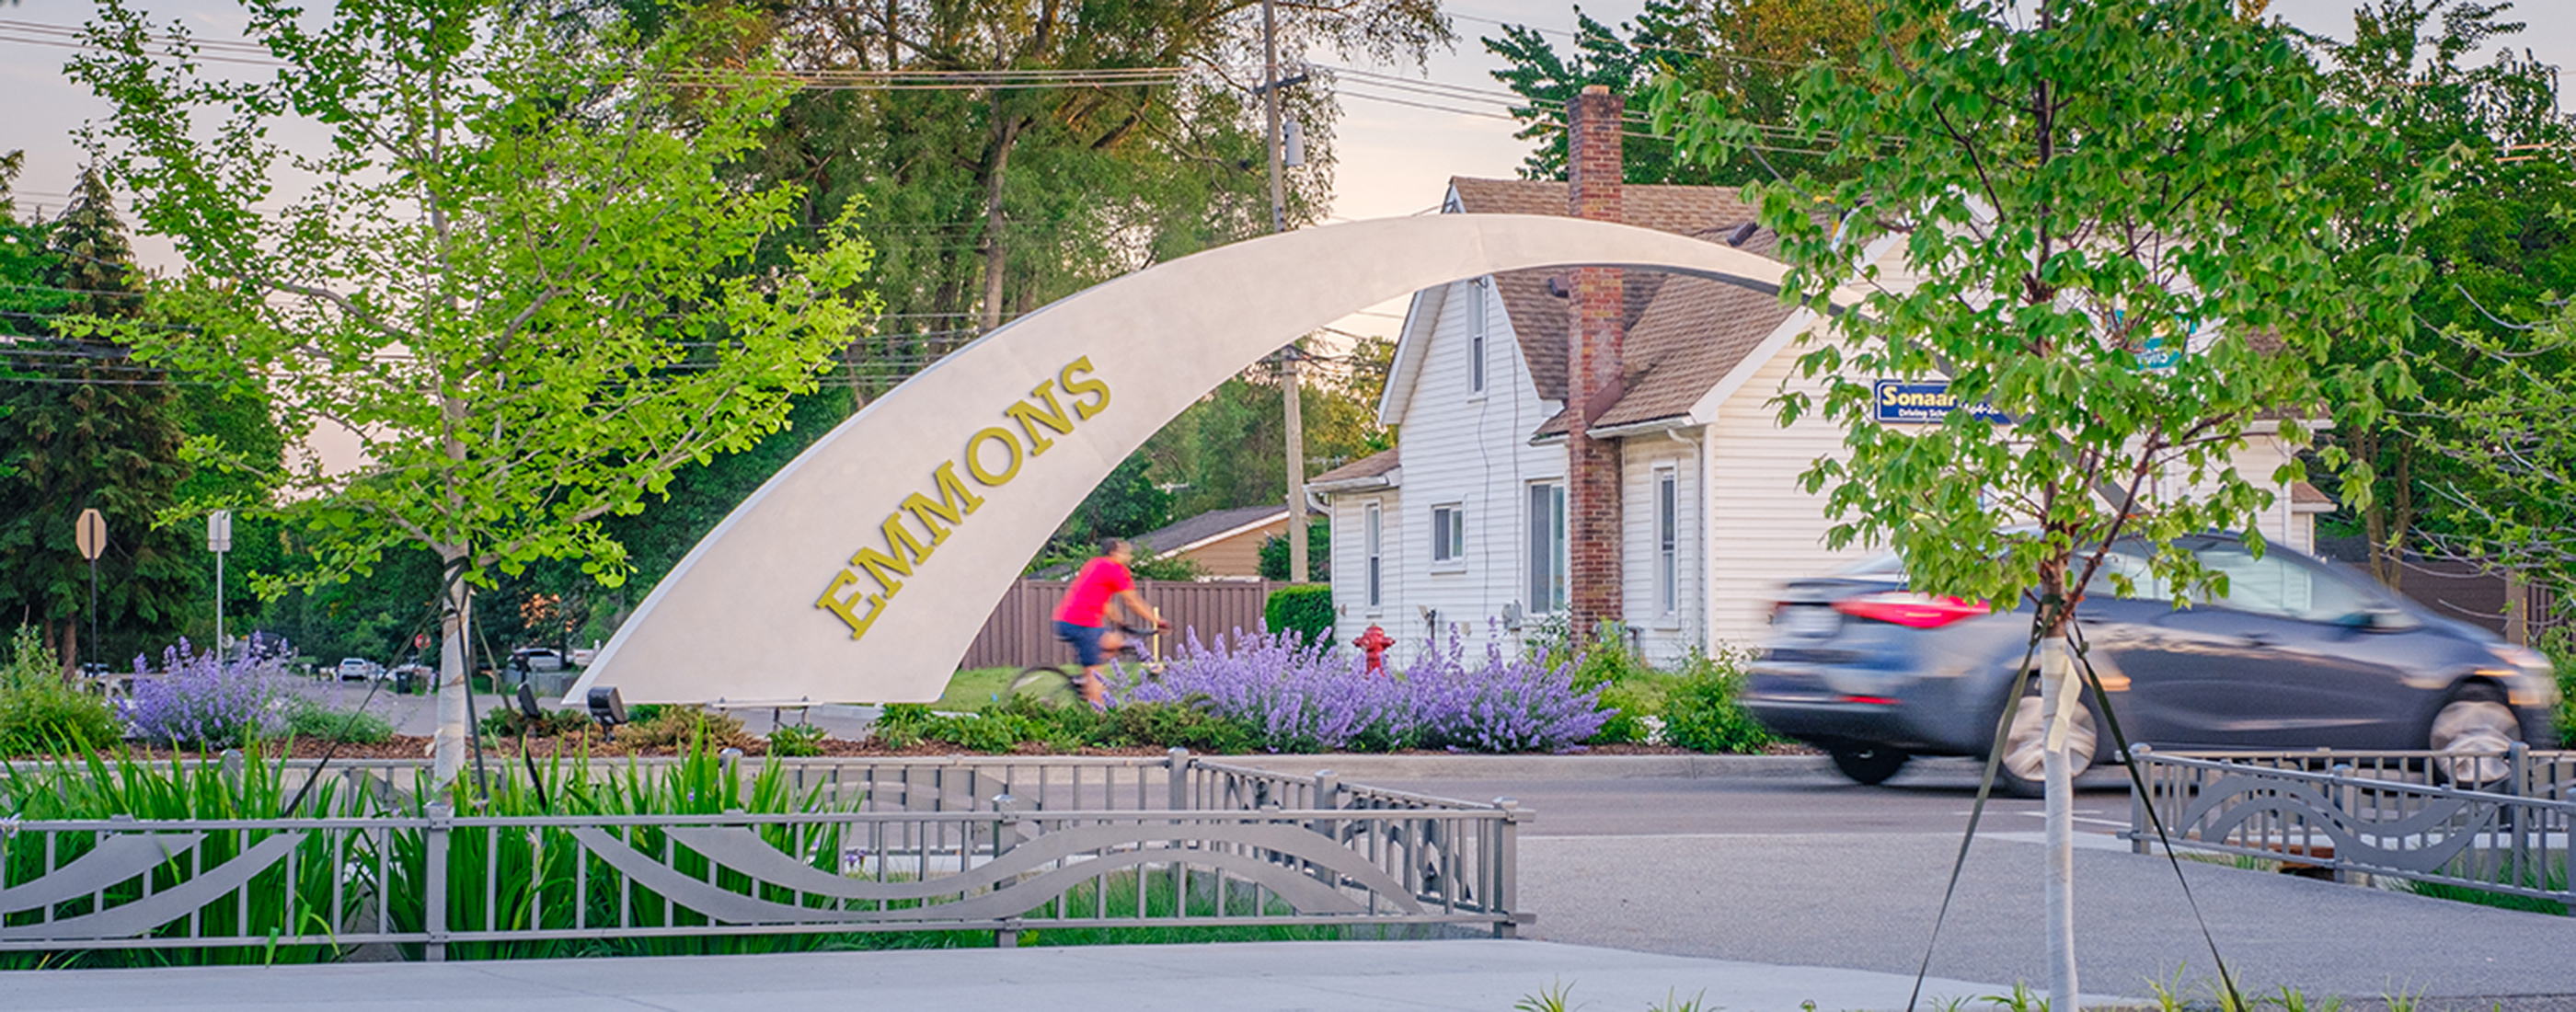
(124, 863)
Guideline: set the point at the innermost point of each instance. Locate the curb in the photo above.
(1363, 767)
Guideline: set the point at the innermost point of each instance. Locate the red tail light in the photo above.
(1911, 610)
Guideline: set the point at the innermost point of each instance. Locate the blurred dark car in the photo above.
(2298, 654)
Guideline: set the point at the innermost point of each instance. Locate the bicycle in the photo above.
(1057, 684)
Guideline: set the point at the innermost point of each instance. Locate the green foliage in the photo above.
(2559, 643)
(1011, 724)
(356, 727)
(796, 740)
(2475, 468)
(1305, 609)
(1319, 553)
(1748, 53)
(1632, 691)
(675, 726)
(2077, 187)
(41, 715)
(1700, 710)
(535, 313)
(1226, 450)
(95, 788)
(509, 722)
(89, 428)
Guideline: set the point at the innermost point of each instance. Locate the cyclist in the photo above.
(1083, 618)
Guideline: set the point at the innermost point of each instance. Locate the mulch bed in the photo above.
(406, 746)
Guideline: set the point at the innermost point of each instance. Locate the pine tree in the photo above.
(82, 426)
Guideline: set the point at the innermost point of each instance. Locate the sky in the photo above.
(1394, 159)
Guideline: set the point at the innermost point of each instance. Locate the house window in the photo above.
(1547, 548)
(1476, 335)
(1448, 534)
(1667, 541)
(1372, 544)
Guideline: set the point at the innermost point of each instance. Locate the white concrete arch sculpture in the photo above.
(864, 568)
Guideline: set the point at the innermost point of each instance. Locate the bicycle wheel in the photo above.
(1049, 686)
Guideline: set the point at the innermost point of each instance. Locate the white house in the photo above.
(1675, 505)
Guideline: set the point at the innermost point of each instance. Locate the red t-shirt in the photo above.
(1087, 601)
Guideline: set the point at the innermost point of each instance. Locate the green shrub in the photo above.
(1000, 728)
(675, 726)
(796, 740)
(39, 714)
(1700, 712)
(508, 722)
(1189, 724)
(1632, 691)
(356, 727)
(2560, 644)
(1305, 609)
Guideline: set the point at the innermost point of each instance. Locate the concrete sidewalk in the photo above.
(1466, 975)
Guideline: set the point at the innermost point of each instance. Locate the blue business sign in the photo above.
(1899, 402)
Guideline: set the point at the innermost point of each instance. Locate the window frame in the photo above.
(1449, 535)
(1373, 554)
(1544, 579)
(1478, 330)
(1667, 507)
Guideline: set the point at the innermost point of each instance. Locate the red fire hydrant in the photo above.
(1374, 643)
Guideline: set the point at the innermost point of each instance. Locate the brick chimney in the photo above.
(1592, 378)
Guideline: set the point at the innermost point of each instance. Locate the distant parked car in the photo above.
(537, 658)
(2296, 654)
(359, 669)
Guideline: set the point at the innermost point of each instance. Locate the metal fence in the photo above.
(1021, 630)
(967, 843)
(2493, 821)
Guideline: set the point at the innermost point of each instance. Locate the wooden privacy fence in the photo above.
(1021, 630)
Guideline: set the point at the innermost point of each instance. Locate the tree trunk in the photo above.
(1006, 133)
(455, 673)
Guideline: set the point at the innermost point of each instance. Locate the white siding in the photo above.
(1462, 449)
(1351, 610)
(1763, 529)
(1665, 636)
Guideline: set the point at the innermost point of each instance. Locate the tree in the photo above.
(2465, 470)
(1014, 153)
(516, 272)
(85, 428)
(1747, 55)
(2077, 190)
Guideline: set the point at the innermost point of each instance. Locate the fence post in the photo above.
(1505, 887)
(2517, 778)
(434, 872)
(2139, 828)
(1178, 762)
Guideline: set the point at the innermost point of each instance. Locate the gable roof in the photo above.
(1212, 525)
(1684, 334)
(1377, 470)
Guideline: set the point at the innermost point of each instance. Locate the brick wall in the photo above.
(1593, 516)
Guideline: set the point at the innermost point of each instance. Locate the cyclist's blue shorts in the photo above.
(1085, 640)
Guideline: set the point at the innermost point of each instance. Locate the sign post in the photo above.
(90, 533)
(219, 539)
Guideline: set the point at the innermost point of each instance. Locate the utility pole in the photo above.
(1288, 381)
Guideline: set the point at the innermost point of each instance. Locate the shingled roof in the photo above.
(1683, 334)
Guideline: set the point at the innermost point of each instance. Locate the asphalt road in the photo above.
(1809, 869)
(1928, 797)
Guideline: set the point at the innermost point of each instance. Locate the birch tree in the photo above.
(515, 268)
(2113, 216)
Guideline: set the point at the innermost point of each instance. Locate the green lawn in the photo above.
(969, 690)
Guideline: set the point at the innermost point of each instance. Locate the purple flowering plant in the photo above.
(205, 701)
(1301, 698)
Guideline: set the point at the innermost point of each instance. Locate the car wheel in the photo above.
(2476, 723)
(1868, 764)
(2022, 773)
